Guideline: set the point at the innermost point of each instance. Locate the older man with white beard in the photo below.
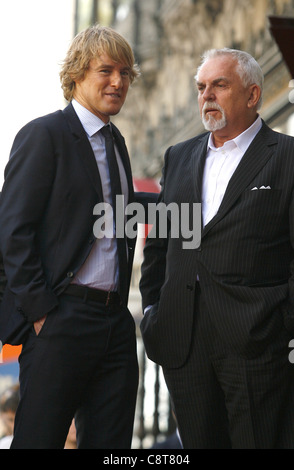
(222, 315)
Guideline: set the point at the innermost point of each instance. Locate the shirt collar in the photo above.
(90, 122)
(243, 140)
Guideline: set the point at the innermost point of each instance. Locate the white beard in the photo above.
(210, 123)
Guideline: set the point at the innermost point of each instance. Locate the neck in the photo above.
(221, 136)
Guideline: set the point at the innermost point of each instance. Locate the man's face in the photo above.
(225, 104)
(104, 88)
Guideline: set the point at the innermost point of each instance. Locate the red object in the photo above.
(10, 353)
(147, 185)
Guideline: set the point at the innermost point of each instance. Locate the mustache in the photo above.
(211, 105)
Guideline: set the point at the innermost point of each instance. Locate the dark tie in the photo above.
(116, 190)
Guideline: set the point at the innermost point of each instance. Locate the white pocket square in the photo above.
(261, 187)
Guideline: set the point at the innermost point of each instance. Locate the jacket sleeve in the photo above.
(3, 280)
(154, 263)
(25, 194)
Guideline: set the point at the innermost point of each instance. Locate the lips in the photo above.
(211, 110)
(113, 95)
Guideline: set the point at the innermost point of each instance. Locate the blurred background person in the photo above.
(8, 404)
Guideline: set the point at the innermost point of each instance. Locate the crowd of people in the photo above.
(9, 401)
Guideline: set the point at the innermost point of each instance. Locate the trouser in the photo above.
(83, 364)
(224, 400)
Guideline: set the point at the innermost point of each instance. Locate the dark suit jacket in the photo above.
(3, 280)
(52, 184)
(245, 262)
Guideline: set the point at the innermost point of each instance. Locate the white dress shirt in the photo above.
(219, 167)
(100, 271)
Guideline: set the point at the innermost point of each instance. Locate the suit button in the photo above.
(70, 274)
(190, 287)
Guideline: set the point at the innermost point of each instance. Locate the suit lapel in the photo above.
(84, 149)
(198, 158)
(198, 161)
(257, 155)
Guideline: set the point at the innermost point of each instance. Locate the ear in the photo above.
(254, 95)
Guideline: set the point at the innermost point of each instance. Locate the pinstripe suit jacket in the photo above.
(245, 262)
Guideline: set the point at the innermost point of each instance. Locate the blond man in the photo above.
(67, 293)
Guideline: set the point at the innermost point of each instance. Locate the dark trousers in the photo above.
(83, 364)
(224, 400)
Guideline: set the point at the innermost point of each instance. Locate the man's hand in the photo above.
(38, 324)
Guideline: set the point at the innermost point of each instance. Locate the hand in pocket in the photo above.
(39, 324)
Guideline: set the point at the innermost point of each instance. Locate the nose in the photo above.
(116, 79)
(208, 94)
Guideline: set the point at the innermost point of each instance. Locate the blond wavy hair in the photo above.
(89, 44)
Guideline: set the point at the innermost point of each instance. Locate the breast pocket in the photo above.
(261, 209)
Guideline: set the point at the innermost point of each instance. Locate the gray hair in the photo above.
(248, 68)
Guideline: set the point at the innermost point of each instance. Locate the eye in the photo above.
(222, 84)
(125, 73)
